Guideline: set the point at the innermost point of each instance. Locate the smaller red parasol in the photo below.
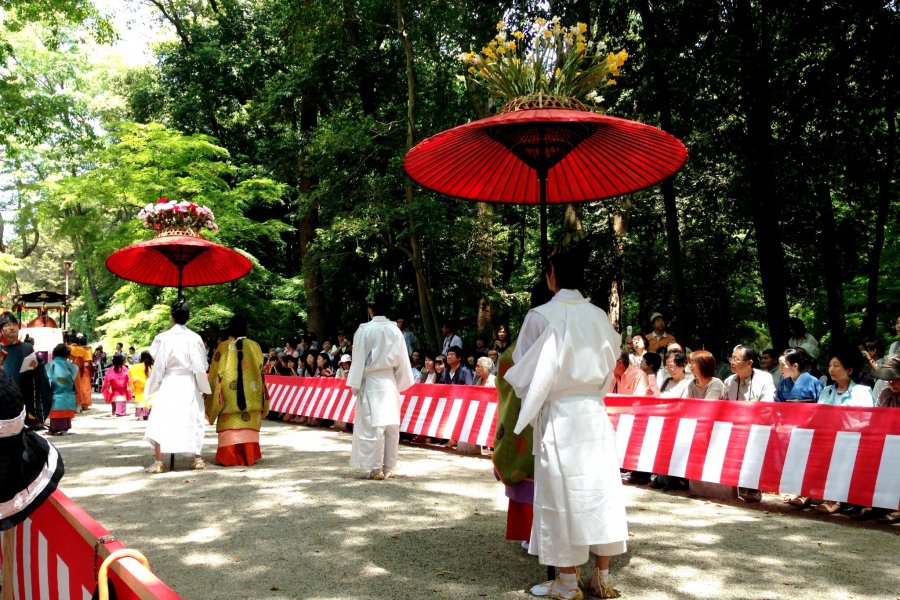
(178, 260)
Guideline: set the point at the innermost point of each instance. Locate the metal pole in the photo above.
(545, 262)
(542, 179)
(67, 265)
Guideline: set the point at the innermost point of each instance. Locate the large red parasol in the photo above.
(543, 156)
(178, 260)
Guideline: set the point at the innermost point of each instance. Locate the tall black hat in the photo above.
(30, 467)
(180, 308)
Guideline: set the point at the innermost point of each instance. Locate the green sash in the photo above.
(513, 458)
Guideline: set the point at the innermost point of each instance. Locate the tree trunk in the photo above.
(870, 322)
(316, 316)
(830, 260)
(485, 251)
(616, 291)
(85, 264)
(426, 302)
(28, 246)
(754, 65)
(655, 50)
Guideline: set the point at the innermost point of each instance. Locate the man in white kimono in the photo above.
(564, 362)
(177, 383)
(379, 372)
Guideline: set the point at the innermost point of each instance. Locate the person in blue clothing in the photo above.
(456, 373)
(796, 385)
(844, 367)
(62, 375)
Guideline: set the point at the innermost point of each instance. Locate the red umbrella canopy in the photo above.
(178, 260)
(583, 155)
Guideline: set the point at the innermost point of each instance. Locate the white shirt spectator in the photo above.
(808, 343)
(759, 387)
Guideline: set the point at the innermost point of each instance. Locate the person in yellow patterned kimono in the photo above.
(239, 401)
(138, 374)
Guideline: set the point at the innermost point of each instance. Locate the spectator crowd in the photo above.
(654, 363)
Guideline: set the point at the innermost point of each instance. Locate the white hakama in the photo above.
(376, 426)
(177, 419)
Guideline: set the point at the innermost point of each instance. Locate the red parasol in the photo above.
(178, 260)
(545, 156)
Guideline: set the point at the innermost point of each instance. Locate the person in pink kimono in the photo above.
(117, 386)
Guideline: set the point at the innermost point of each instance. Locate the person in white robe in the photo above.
(564, 361)
(177, 383)
(379, 372)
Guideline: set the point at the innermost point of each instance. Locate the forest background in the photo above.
(291, 118)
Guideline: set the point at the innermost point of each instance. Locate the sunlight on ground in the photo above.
(353, 541)
(371, 570)
(303, 524)
(701, 586)
(705, 538)
(207, 558)
(286, 496)
(122, 486)
(451, 487)
(205, 535)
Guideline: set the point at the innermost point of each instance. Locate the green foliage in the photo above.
(290, 121)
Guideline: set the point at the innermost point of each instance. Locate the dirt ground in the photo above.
(302, 524)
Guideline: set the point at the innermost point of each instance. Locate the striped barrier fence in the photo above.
(57, 551)
(829, 452)
(458, 412)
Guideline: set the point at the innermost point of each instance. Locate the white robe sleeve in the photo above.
(358, 365)
(536, 372)
(199, 365)
(159, 367)
(403, 372)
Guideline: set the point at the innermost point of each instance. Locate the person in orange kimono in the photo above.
(81, 355)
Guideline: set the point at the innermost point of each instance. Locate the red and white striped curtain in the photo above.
(829, 452)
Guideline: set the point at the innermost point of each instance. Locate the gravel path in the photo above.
(302, 524)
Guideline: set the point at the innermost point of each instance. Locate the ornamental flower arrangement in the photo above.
(168, 214)
(550, 60)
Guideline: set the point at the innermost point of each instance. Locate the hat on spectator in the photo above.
(8, 317)
(30, 467)
(345, 358)
(655, 316)
(889, 369)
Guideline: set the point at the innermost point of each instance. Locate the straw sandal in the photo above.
(599, 588)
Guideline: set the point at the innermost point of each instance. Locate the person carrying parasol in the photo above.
(177, 381)
(564, 360)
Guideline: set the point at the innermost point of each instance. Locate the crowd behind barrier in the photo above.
(835, 453)
(58, 551)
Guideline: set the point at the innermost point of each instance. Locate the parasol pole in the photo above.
(180, 274)
(545, 258)
(542, 179)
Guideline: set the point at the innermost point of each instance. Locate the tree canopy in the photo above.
(291, 120)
